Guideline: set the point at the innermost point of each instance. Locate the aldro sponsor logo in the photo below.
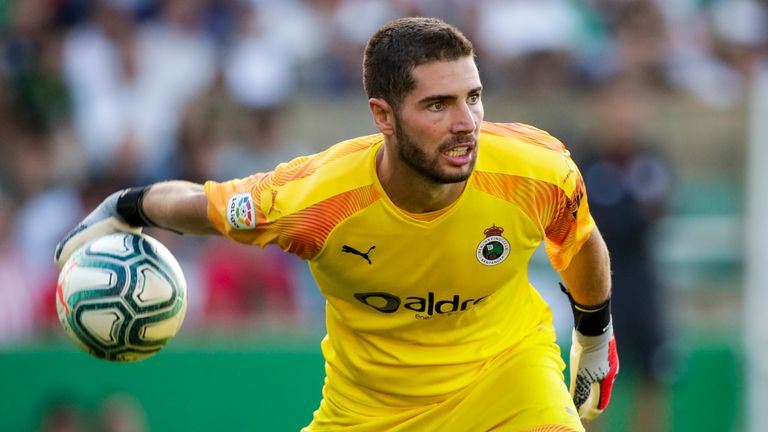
(494, 248)
(429, 305)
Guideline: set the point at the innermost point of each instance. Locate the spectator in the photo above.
(17, 300)
(530, 44)
(121, 412)
(260, 80)
(629, 188)
(710, 57)
(30, 61)
(130, 83)
(63, 415)
(636, 45)
(248, 286)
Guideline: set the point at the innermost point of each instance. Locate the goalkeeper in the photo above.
(419, 237)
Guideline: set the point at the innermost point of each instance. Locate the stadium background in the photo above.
(97, 95)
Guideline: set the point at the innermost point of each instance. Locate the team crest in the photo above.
(494, 248)
(241, 213)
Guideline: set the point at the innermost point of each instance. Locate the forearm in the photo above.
(179, 206)
(594, 360)
(588, 276)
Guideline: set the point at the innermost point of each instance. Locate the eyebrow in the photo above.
(437, 98)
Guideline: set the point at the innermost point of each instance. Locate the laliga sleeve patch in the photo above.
(241, 213)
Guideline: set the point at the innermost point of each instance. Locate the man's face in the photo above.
(438, 122)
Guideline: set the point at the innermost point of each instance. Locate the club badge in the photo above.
(494, 248)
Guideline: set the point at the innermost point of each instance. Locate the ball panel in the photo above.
(102, 324)
(87, 330)
(82, 278)
(113, 247)
(161, 326)
(153, 248)
(87, 278)
(154, 288)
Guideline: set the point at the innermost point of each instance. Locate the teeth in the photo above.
(458, 151)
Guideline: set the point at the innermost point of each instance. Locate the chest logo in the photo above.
(494, 248)
(353, 251)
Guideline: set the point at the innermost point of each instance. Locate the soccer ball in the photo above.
(121, 297)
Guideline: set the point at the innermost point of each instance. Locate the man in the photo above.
(419, 237)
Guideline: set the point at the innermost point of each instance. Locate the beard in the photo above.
(428, 166)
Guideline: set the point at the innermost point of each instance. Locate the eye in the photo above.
(436, 106)
(473, 99)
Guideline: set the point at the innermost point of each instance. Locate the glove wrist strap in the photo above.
(590, 320)
(129, 207)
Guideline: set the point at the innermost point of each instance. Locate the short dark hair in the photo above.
(401, 45)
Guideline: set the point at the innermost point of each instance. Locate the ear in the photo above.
(383, 115)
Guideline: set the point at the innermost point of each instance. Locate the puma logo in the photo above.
(353, 251)
(272, 207)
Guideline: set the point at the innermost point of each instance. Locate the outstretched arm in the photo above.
(177, 205)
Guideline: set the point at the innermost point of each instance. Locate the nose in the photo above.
(465, 118)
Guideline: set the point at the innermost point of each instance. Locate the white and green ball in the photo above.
(121, 297)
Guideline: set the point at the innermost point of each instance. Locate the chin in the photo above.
(452, 177)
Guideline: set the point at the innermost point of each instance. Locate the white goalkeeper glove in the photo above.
(120, 211)
(594, 359)
(594, 365)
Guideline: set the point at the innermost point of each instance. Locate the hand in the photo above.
(102, 221)
(594, 365)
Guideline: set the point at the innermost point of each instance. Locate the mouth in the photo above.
(458, 151)
(460, 154)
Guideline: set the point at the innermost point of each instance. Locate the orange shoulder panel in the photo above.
(304, 233)
(537, 199)
(307, 165)
(525, 133)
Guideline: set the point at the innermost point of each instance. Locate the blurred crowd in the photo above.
(97, 95)
(115, 412)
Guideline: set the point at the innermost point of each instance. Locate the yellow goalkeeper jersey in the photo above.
(417, 304)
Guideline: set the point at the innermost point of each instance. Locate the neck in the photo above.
(410, 190)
